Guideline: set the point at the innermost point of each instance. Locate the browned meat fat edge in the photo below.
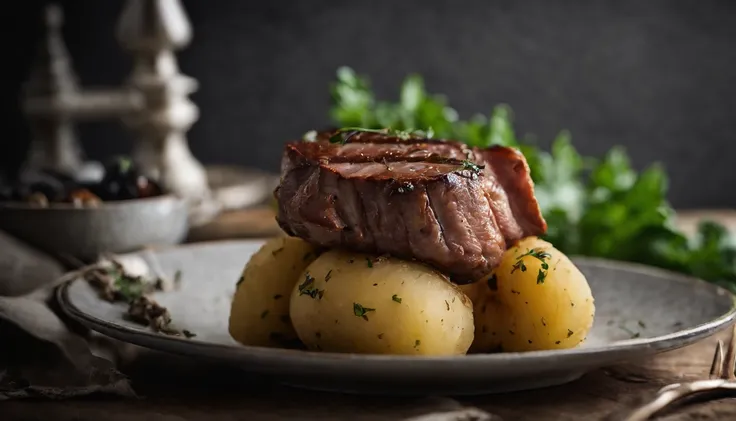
(518, 181)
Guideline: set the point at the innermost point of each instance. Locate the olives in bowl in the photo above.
(121, 181)
(122, 211)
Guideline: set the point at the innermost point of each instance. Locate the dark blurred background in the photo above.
(657, 77)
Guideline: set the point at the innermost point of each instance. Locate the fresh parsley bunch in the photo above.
(594, 207)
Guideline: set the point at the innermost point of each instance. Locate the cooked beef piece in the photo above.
(440, 202)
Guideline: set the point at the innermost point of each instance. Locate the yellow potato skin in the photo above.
(259, 314)
(517, 309)
(358, 303)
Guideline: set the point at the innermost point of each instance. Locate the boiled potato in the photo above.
(535, 300)
(259, 314)
(357, 303)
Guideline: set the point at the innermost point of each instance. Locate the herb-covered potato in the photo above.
(535, 300)
(358, 303)
(259, 314)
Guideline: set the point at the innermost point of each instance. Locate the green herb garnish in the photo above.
(125, 164)
(369, 262)
(396, 298)
(405, 188)
(129, 288)
(308, 287)
(541, 255)
(541, 275)
(519, 265)
(472, 167)
(593, 207)
(361, 311)
(344, 134)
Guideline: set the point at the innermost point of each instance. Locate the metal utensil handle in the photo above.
(671, 396)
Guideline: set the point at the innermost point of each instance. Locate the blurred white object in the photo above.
(237, 188)
(90, 172)
(154, 102)
(132, 265)
(152, 30)
(53, 102)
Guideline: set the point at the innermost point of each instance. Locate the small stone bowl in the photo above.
(85, 233)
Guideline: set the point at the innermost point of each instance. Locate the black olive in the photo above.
(63, 178)
(55, 186)
(119, 182)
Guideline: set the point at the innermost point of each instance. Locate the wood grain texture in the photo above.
(179, 389)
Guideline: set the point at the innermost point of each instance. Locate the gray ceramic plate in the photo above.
(674, 310)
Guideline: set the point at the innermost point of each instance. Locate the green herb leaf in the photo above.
(308, 288)
(471, 166)
(594, 207)
(361, 311)
(396, 298)
(541, 276)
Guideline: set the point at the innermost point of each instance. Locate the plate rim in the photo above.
(649, 345)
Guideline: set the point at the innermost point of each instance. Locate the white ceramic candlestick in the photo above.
(151, 30)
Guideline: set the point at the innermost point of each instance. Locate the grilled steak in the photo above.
(440, 202)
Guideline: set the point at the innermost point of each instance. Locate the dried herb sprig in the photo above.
(114, 284)
(344, 134)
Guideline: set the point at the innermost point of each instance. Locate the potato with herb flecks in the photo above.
(359, 303)
(537, 299)
(259, 314)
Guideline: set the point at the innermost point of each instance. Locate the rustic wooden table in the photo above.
(180, 389)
